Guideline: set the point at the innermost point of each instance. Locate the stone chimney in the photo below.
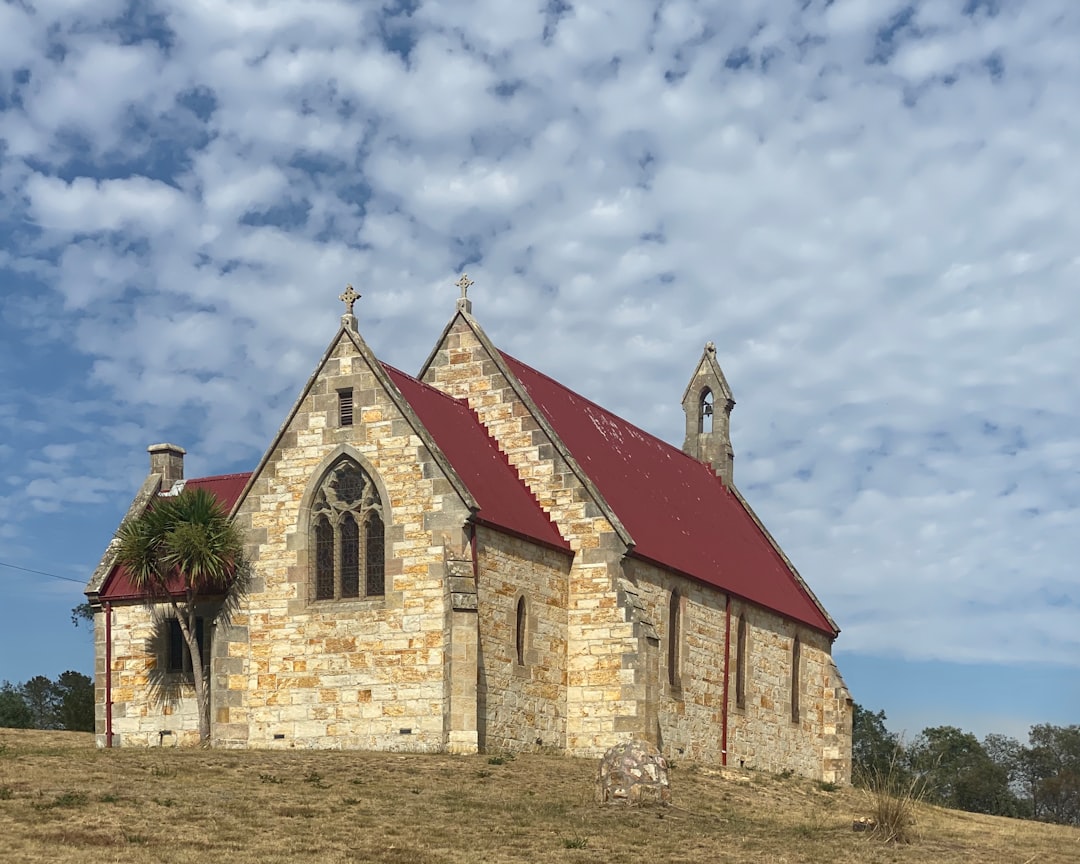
(168, 461)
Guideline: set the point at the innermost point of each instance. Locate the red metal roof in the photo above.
(678, 512)
(505, 502)
(225, 487)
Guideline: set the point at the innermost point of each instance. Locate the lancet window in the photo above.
(348, 535)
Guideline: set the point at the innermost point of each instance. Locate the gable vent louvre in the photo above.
(345, 407)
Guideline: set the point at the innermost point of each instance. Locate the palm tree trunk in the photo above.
(189, 628)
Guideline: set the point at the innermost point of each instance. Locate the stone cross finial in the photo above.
(348, 298)
(464, 303)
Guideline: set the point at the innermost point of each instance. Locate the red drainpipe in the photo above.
(108, 675)
(727, 653)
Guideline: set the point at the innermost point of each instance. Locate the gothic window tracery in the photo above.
(348, 535)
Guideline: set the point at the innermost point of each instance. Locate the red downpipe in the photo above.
(727, 654)
(108, 675)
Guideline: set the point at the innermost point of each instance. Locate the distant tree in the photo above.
(1050, 770)
(14, 712)
(960, 773)
(40, 697)
(180, 551)
(873, 747)
(75, 702)
(1006, 753)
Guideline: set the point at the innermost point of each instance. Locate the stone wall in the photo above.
(359, 673)
(522, 705)
(151, 707)
(602, 695)
(761, 732)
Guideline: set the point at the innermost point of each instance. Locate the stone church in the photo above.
(478, 558)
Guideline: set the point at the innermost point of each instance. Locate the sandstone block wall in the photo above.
(761, 734)
(602, 694)
(151, 707)
(521, 705)
(360, 673)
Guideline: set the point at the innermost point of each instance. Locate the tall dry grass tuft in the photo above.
(895, 795)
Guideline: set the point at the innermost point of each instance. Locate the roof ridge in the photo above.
(219, 476)
(618, 417)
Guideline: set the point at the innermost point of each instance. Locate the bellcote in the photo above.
(707, 403)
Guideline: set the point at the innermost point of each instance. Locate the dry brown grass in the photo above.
(61, 800)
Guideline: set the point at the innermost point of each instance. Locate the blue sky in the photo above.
(868, 205)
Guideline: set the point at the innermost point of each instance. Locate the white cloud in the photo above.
(877, 234)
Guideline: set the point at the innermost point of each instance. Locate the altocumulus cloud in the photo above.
(866, 204)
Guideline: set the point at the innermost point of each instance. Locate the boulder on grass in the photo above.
(633, 773)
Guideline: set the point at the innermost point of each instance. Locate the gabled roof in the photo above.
(504, 501)
(225, 487)
(678, 512)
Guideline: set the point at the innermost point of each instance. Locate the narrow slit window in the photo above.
(796, 656)
(345, 407)
(740, 664)
(519, 632)
(674, 639)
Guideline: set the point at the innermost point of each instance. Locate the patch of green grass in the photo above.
(315, 779)
(64, 799)
(826, 786)
(270, 778)
(6, 793)
(109, 798)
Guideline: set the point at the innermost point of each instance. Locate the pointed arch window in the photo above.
(348, 535)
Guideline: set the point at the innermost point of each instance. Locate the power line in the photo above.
(42, 573)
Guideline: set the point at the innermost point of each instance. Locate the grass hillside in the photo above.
(62, 800)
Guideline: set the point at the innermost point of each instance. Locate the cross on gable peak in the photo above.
(348, 297)
(464, 303)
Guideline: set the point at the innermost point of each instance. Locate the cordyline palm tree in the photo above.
(180, 550)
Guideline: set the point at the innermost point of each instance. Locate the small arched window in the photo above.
(796, 658)
(520, 623)
(740, 664)
(347, 534)
(674, 653)
(705, 411)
